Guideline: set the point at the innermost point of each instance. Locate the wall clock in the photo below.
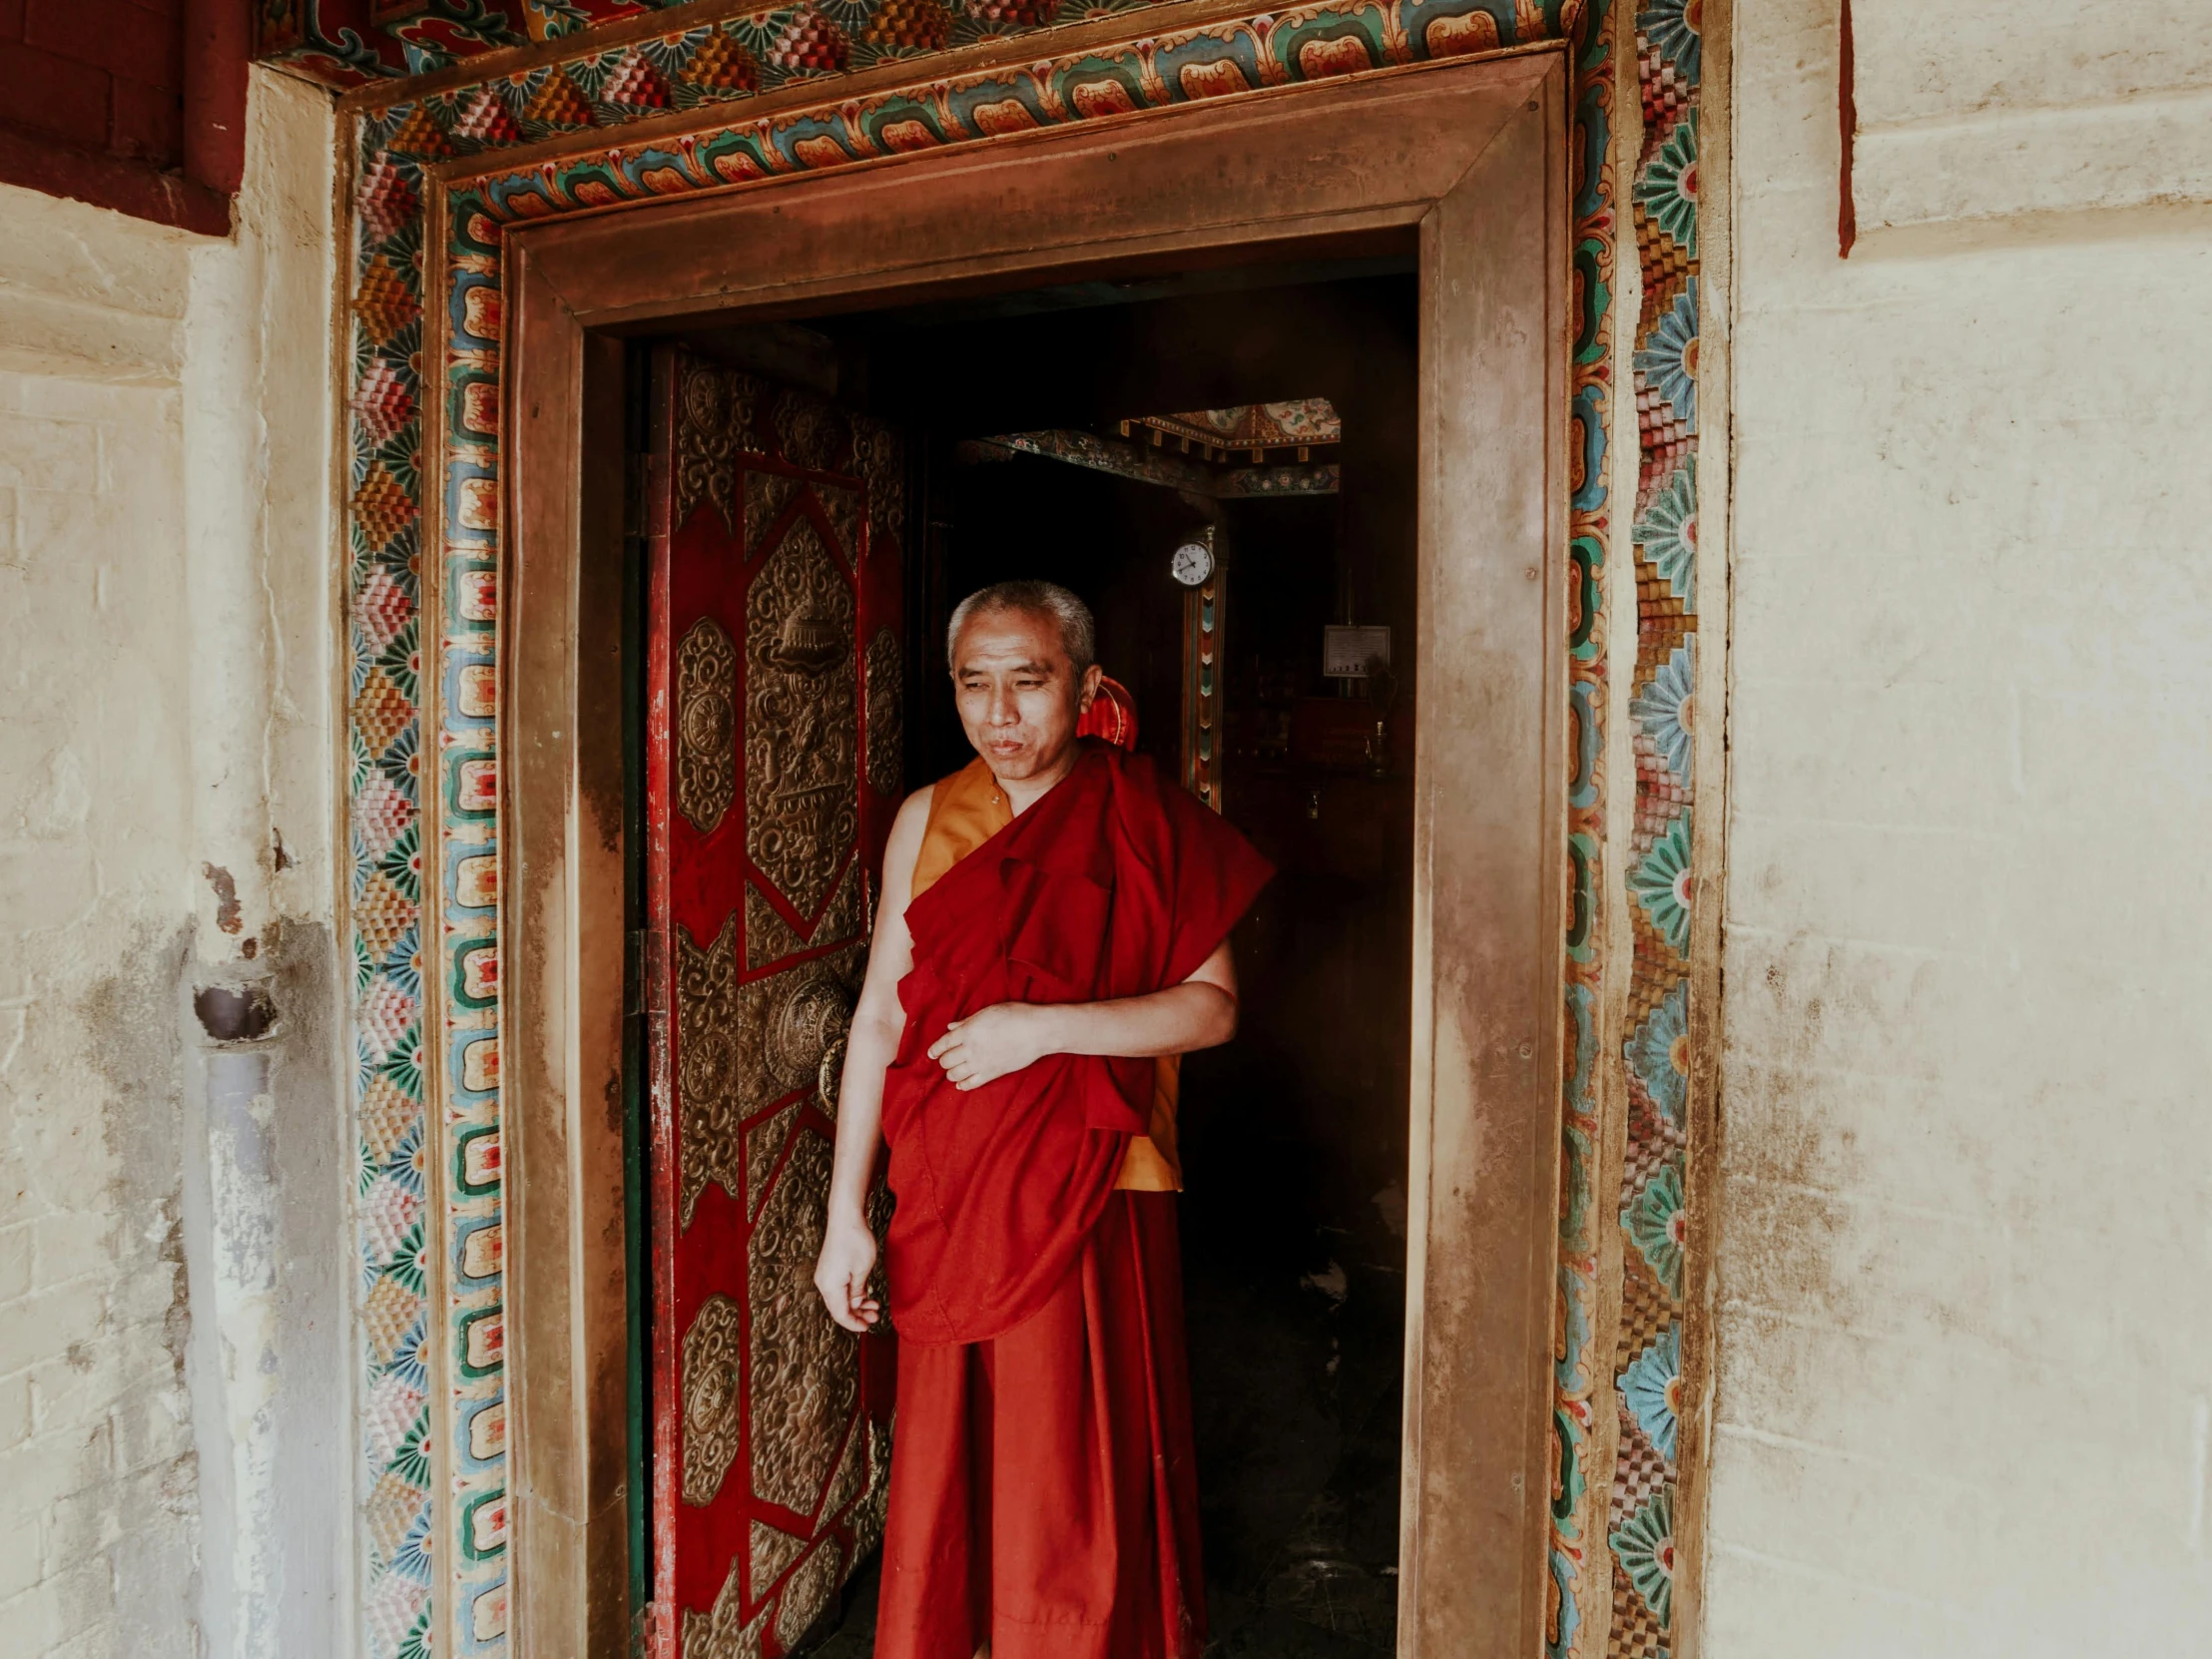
(1192, 562)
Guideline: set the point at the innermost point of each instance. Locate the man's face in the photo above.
(1018, 694)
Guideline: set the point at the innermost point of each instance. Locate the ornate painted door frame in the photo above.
(1468, 161)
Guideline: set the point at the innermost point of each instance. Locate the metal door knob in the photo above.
(808, 1036)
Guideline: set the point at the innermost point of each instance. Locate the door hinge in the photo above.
(645, 972)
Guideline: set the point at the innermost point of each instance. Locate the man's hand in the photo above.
(988, 1045)
(848, 1257)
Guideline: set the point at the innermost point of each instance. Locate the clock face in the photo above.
(1192, 564)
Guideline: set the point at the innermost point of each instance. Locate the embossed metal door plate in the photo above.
(774, 768)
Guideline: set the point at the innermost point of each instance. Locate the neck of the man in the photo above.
(1024, 792)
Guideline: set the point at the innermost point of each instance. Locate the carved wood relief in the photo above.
(804, 1370)
(773, 1551)
(851, 1476)
(713, 1398)
(725, 1633)
(809, 1593)
(802, 720)
(768, 939)
(842, 503)
(767, 495)
(814, 435)
(716, 1049)
(768, 936)
(885, 730)
(762, 1144)
(845, 918)
(738, 1046)
(716, 411)
(762, 1454)
(706, 725)
(882, 463)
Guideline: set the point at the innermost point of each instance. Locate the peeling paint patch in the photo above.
(227, 911)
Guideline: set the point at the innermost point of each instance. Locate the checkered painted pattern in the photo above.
(1647, 1347)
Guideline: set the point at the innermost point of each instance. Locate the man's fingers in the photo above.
(864, 1310)
(845, 1292)
(959, 1062)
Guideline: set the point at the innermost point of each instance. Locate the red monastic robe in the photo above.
(1043, 1491)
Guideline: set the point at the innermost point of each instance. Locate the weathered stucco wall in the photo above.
(96, 1525)
(173, 1359)
(1965, 1381)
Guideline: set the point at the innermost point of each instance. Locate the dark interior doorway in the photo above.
(1295, 1136)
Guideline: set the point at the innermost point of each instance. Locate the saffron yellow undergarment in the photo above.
(967, 810)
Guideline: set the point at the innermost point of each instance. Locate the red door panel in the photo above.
(774, 763)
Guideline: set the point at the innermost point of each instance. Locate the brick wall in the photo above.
(103, 75)
(136, 105)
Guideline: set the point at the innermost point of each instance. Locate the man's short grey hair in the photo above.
(1078, 632)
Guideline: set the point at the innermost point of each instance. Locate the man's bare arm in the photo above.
(1201, 1012)
(848, 1248)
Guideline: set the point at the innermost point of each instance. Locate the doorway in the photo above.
(1467, 159)
(1265, 417)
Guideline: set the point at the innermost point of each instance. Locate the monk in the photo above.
(1053, 931)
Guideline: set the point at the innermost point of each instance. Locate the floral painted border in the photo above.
(1631, 1372)
(350, 43)
(1653, 1197)
(1575, 1480)
(393, 950)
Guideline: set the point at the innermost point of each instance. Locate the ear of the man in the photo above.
(1087, 691)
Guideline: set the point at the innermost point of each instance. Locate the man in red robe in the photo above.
(1053, 929)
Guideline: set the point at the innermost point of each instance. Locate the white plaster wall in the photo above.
(1971, 111)
(1964, 1370)
(97, 1545)
(126, 1410)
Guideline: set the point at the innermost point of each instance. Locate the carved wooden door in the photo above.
(773, 762)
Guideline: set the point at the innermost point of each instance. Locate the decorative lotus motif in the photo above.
(809, 643)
